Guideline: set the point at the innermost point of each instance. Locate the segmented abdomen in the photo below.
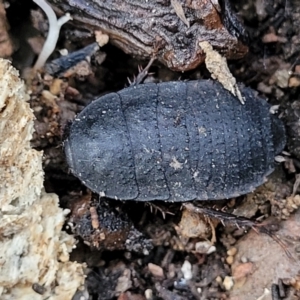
(175, 141)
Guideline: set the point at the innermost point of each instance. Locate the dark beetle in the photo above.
(174, 141)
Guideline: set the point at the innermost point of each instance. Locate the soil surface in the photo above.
(157, 250)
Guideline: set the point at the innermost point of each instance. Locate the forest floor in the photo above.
(221, 261)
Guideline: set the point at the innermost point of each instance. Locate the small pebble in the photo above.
(171, 271)
(285, 212)
(127, 255)
(63, 52)
(149, 294)
(228, 283)
(232, 251)
(101, 38)
(211, 250)
(229, 259)
(186, 269)
(48, 78)
(124, 282)
(281, 78)
(262, 87)
(219, 279)
(297, 69)
(205, 247)
(156, 270)
(294, 82)
(244, 259)
(55, 87)
(145, 252)
(242, 270)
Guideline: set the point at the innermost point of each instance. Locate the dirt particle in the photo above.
(156, 270)
(228, 283)
(175, 163)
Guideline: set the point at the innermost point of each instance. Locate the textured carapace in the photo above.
(174, 141)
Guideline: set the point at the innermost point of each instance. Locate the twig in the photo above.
(52, 37)
(63, 63)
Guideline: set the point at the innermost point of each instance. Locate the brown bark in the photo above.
(157, 27)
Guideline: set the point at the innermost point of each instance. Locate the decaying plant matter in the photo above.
(34, 251)
(170, 30)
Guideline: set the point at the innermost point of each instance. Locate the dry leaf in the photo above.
(217, 66)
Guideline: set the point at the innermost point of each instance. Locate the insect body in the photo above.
(174, 141)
